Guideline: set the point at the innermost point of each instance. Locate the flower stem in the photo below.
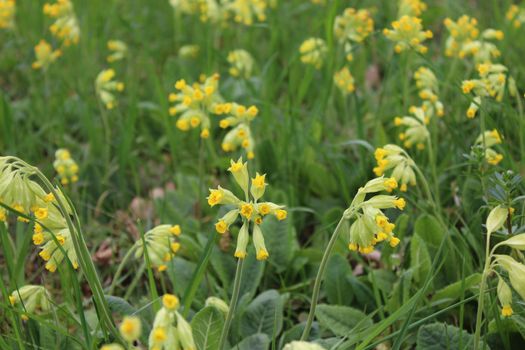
(233, 304)
(119, 270)
(318, 280)
(479, 314)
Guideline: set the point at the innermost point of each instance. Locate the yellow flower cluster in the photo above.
(7, 14)
(241, 63)
(344, 80)
(407, 32)
(313, 52)
(247, 11)
(516, 15)
(251, 210)
(371, 225)
(427, 85)
(161, 245)
(45, 55)
(416, 132)
(465, 40)
(392, 157)
(493, 78)
(487, 140)
(105, 87)
(118, 50)
(195, 102)
(33, 299)
(353, 26)
(240, 135)
(65, 166)
(411, 8)
(65, 28)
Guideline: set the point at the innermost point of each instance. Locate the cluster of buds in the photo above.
(207, 10)
(239, 119)
(411, 8)
(407, 32)
(32, 299)
(247, 11)
(492, 82)
(160, 244)
(7, 14)
(65, 166)
(241, 63)
(65, 28)
(344, 81)
(353, 26)
(393, 158)
(486, 141)
(370, 225)
(313, 52)
(45, 55)
(195, 102)
(516, 15)
(252, 210)
(105, 87)
(118, 50)
(427, 85)
(170, 330)
(416, 132)
(465, 40)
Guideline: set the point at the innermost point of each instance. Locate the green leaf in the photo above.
(263, 315)
(206, 327)
(428, 228)
(279, 238)
(341, 320)
(454, 290)
(439, 336)
(420, 260)
(254, 342)
(337, 287)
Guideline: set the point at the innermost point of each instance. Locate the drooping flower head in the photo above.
(427, 84)
(416, 132)
(247, 11)
(353, 26)
(313, 52)
(411, 8)
(161, 245)
(344, 81)
(407, 32)
(65, 166)
(238, 118)
(252, 210)
(32, 299)
(65, 28)
(45, 55)
(241, 63)
(105, 87)
(118, 50)
(488, 140)
(492, 82)
(516, 15)
(7, 14)
(394, 159)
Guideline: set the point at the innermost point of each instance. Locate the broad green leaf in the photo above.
(439, 336)
(259, 341)
(337, 287)
(263, 315)
(419, 259)
(453, 291)
(279, 238)
(427, 227)
(339, 319)
(206, 326)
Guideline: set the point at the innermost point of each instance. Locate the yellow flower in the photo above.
(170, 301)
(221, 226)
(161, 246)
(241, 64)
(45, 55)
(247, 11)
(280, 214)
(118, 50)
(130, 328)
(344, 81)
(105, 86)
(408, 33)
(247, 210)
(65, 28)
(7, 14)
(313, 52)
(65, 166)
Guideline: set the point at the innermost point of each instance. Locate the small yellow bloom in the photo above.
(280, 214)
(130, 328)
(170, 301)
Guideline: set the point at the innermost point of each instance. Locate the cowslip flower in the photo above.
(369, 224)
(65, 28)
(516, 15)
(247, 11)
(252, 210)
(407, 32)
(427, 85)
(416, 132)
(170, 330)
(105, 87)
(65, 166)
(411, 8)
(32, 299)
(189, 51)
(313, 52)
(185, 6)
(462, 31)
(241, 63)
(130, 328)
(161, 245)
(118, 50)
(487, 140)
(195, 102)
(353, 26)
(394, 158)
(7, 14)
(45, 55)
(516, 273)
(492, 82)
(239, 118)
(344, 81)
